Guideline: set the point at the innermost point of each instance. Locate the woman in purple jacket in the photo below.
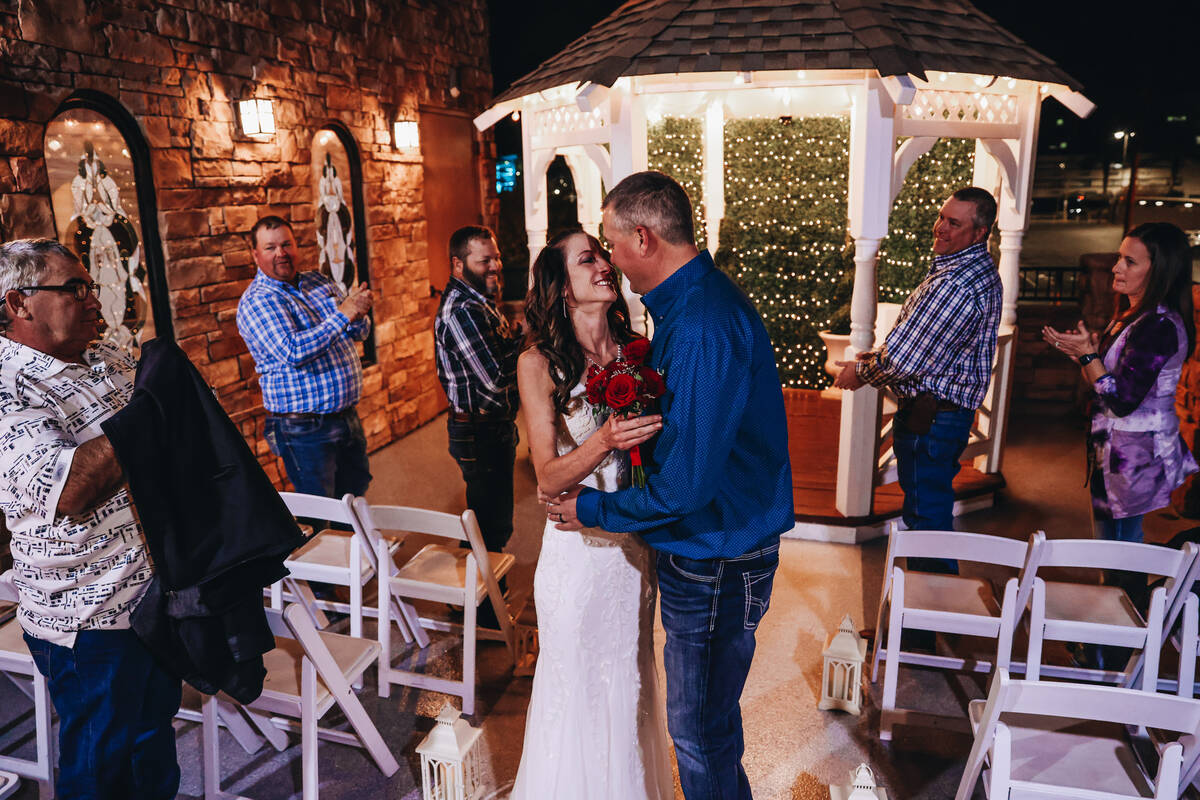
(1135, 454)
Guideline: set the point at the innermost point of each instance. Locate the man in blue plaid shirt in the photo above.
(938, 361)
(300, 327)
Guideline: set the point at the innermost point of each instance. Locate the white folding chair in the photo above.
(1174, 609)
(341, 557)
(441, 573)
(308, 673)
(1067, 740)
(17, 664)
(1096, 613)
(941, 603)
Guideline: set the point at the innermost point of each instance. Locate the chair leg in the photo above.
(383, 669)
(210, 732)
(238, 727)
(307, 599)
(356, 589)
(878, 648)
(1037, 631)
(891, 667)
(308, 731)
(469, 614)
(47, 748)
(277, 595)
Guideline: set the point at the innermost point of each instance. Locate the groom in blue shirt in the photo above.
(719, 491)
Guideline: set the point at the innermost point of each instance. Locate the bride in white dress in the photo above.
(595, 728)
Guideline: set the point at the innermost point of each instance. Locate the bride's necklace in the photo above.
(592, 361)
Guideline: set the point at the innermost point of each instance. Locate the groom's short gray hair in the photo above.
(655, 201)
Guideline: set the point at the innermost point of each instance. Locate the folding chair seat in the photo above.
(1067, 740)
(17, 664)
(341, 557)
(440, 573)
(953, 604)
(1095, 613)
(308, 673)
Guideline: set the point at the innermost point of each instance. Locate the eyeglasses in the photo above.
(81, 289)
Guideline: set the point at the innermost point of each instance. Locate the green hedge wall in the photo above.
(674, 146)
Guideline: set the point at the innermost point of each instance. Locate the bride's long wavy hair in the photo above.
(548, 323)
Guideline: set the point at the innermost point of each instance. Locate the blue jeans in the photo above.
(485, 453)
(926, 464)
(115, 705)
(1128, 529)
(710, 611)
(325, 455)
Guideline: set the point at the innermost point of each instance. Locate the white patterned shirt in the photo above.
(79, 572)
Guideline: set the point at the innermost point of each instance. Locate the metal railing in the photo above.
(1054, 284)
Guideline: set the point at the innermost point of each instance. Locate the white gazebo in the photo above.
(914, 70)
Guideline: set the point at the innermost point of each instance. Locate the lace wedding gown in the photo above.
(595, 729)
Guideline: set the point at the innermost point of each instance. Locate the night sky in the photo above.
(1137, 67)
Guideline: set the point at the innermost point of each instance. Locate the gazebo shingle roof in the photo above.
(651, 37)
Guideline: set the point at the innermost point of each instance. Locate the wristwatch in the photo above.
(1087, 358)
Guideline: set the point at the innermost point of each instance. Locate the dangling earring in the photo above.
(566, 313)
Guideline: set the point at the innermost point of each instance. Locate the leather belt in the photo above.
(306, 416)
(946, 405)
(476, 416)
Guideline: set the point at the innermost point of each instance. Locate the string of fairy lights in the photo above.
(783, 238)
(675, 146)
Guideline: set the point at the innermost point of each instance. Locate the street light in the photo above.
(1131, 191)
(1124, 136)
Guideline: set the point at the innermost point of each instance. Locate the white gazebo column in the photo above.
(627, 122)
(627, 116)
(1007, 165)
(714, 171)
(537, 218)
(872, 147)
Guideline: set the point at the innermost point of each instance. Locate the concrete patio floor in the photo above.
(792, 749)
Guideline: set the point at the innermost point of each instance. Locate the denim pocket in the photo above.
(758, 595)
(692, 569)
(463, 447)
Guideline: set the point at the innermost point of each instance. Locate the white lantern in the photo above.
(862, 787)
(841, 678)
(449, 770)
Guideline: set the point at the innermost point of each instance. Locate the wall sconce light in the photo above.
(454, 91)
(258, 118)
(405, 135)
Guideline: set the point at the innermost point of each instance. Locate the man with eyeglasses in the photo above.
(300, 328)
(80, 560)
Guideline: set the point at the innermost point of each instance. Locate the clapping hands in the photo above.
(1073, 343)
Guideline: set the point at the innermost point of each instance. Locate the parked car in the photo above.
(1086, 205)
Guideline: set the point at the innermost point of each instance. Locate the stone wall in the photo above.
(179, 66)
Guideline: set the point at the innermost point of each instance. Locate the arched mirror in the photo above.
(340, 216)
(102, 194)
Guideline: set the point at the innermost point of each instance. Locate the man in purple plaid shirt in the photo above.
(300, 327)
(938, 361)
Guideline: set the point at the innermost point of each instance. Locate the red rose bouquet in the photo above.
(626, 386)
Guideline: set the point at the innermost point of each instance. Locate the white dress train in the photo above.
(595, 727)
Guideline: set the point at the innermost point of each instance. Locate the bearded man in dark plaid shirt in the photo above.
(938, 361)
(477, 353)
